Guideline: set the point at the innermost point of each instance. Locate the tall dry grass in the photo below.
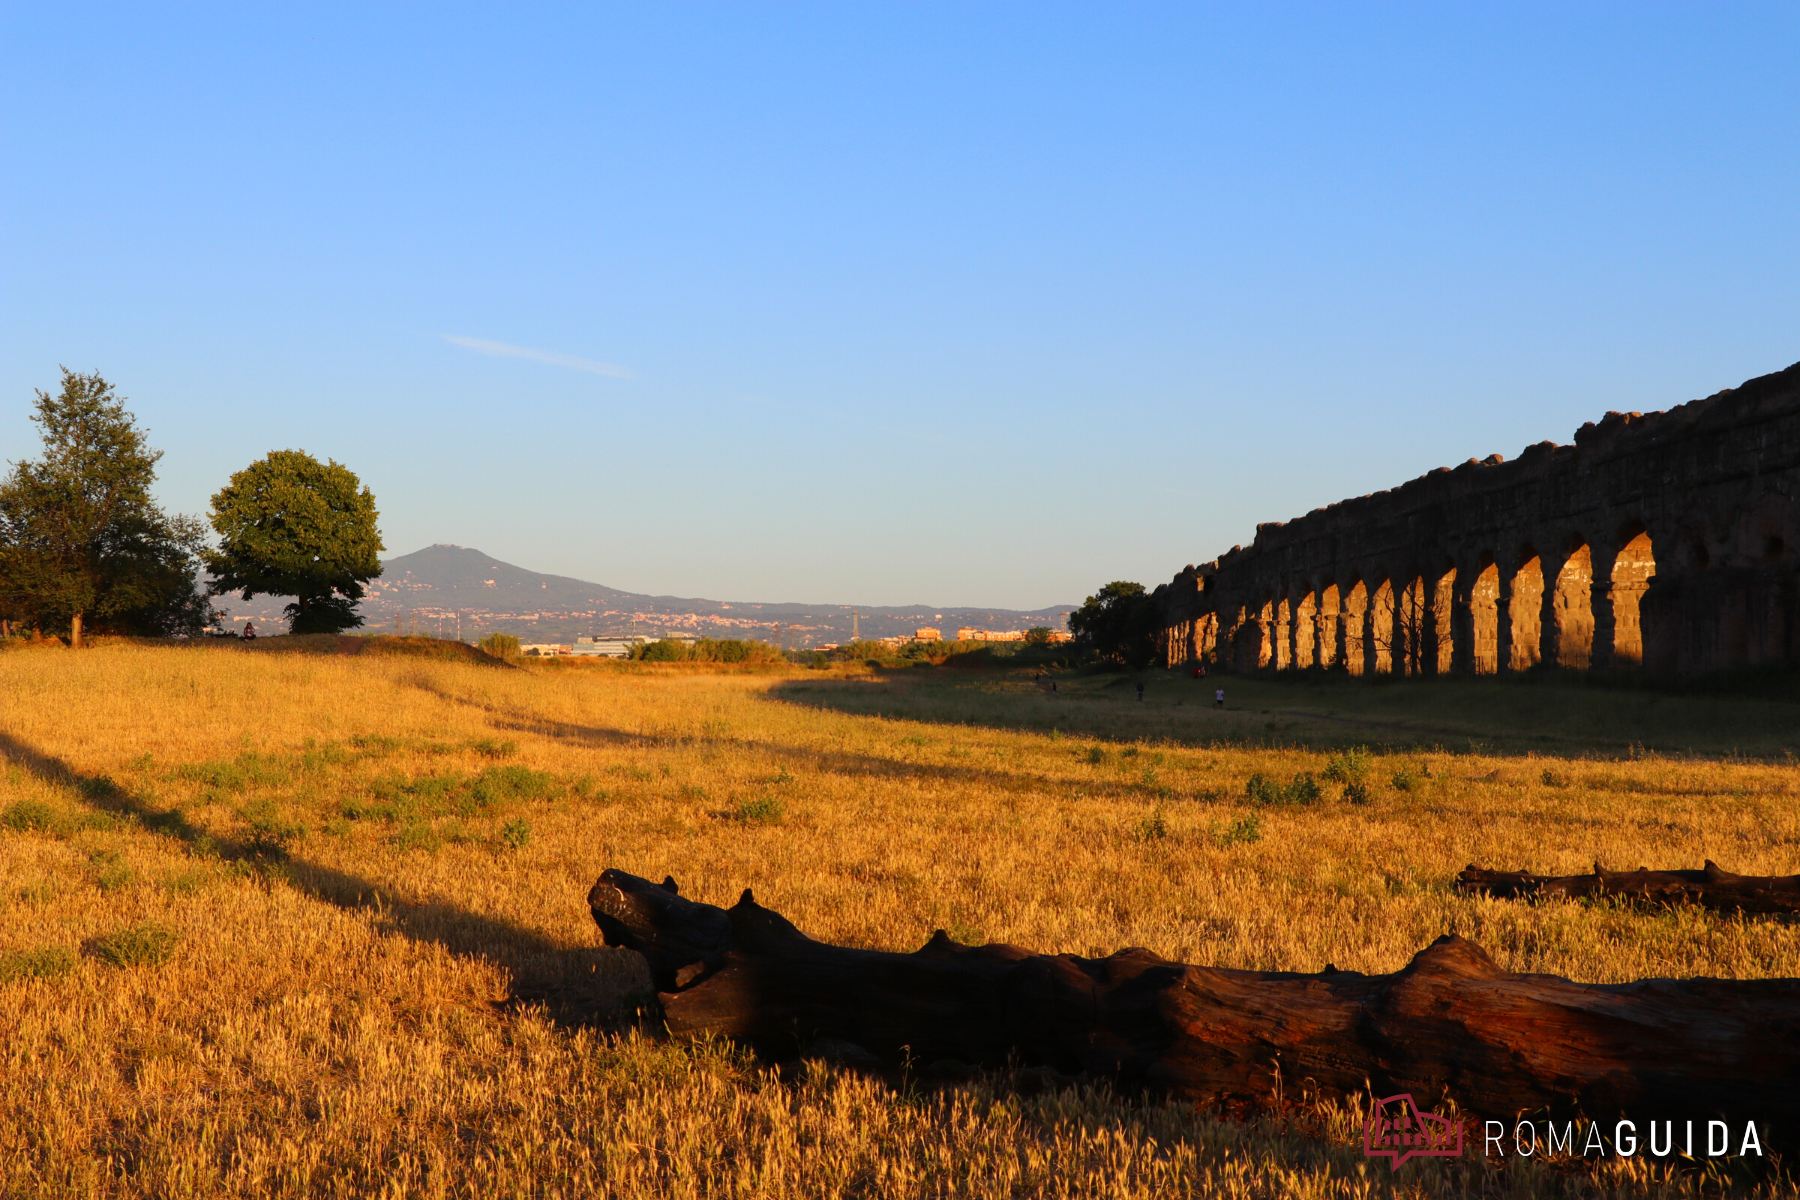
(353, 891)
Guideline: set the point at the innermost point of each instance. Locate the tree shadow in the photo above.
(836, 762)
(576, 986)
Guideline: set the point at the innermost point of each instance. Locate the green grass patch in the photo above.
(143, 945)
(45, 962)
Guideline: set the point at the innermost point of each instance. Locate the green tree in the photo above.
(81, 541)
(1119, 623)
(290, 525)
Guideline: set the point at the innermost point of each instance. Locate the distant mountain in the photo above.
(452, 590)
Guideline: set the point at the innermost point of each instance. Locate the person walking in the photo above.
(1220, 697)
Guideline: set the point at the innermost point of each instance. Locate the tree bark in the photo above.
(75, 632)
(1709, 887)
(1451, 1025)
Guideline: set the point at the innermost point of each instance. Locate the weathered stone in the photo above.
(1663, 539)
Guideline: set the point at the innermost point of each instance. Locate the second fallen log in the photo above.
(1710, 887)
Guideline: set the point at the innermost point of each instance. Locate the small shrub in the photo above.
(144, 945)
(1358, 793)
(1304, 789)
(501, 645)
(1405, 780)
(515, 835)
(493, 747)
(1352, 766)
(1552, 779)
(48, 962)
(1241, 832)
(1152, 829)
(763, 810)
(1096, 756)
(29, 816)
(1129, 752)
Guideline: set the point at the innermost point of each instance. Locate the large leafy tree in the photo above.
(82, 544)
(290, 525)
(1119, 623)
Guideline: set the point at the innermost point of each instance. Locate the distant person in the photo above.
(249, 632)
(1198, 673)
(1140, 693)
(1220, 697)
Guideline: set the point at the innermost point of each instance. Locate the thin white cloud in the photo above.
(502, 350)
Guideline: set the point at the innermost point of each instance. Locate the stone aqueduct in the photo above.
(1664, 540)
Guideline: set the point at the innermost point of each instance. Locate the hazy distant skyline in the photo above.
(947, 304)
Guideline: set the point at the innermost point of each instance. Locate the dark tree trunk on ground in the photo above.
(1450, 1024)
(1709, 887)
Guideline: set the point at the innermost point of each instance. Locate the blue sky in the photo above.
(952, 304)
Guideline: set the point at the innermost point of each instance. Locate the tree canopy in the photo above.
(290, 525)
(81, 540)
(1119, 623)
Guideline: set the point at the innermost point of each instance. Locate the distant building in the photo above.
(927, 634)
(604, 647)
(543, 650)
(1005, 635)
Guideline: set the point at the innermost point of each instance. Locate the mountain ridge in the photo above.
(461, 591)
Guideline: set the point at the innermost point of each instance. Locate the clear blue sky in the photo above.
(955, 304)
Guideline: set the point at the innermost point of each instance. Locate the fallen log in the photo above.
(1450, 1025)
(1709, 887)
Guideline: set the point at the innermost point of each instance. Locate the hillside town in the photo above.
(621, 647)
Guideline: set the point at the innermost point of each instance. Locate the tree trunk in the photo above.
(75, 632)
(1451, 1025)
(1709, 887)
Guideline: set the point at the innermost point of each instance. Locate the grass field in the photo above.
(312, 924)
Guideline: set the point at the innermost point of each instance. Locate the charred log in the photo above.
(1709, 887)
(1450, 1025)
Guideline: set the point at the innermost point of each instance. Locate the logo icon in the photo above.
(1400, 1131)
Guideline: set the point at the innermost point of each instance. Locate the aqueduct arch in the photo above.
(1666, 540)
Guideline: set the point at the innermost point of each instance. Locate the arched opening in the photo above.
(1356, 625)
(1381, 628)
(1328, 627)
(1284, 634)
(1484, 601)
(1631, 574)
(1305, 631)
(1573, 609)
(1440, 629)
(1524, 611)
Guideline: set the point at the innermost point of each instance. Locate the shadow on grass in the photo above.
(575, 986)
(1560, 715)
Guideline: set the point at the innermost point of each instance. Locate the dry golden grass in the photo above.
(373, 865)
